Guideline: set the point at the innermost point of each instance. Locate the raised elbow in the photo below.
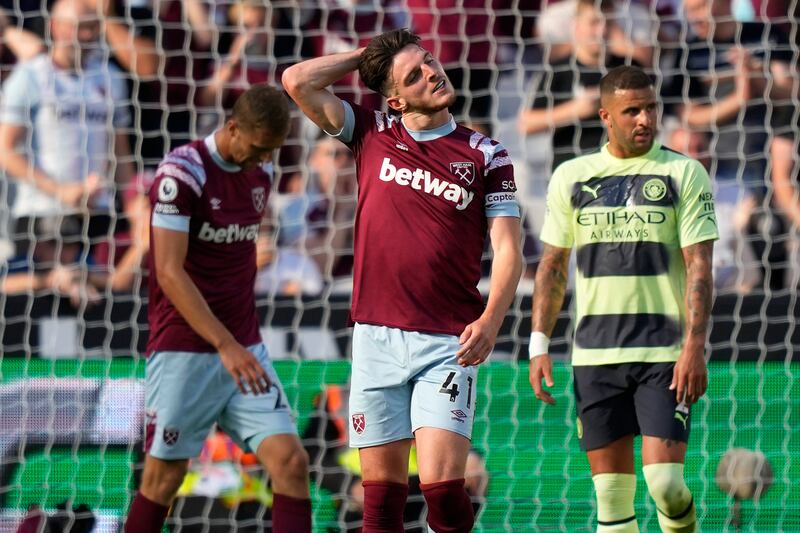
(290, 79)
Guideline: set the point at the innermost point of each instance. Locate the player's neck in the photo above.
(418, 121)
(221, 140)
(620, 152)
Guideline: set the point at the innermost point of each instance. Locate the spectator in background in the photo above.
(249, 59)
(16, 44)
(566, 96)
(720, 85)
(290, 269)
(132, 49)
(785, 165)
(124, 256)
(55, 264)
(734, 264)
(464, 37)
(314, 223)
(333, 170)
(252, 50)
(352, 24)
(183, 33)
(723, 76)
(61, 129)
(632, 31)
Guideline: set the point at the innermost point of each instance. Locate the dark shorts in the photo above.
(627, 399)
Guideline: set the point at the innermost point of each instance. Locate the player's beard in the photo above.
(642, 146)
(450, 101)
(432, 109)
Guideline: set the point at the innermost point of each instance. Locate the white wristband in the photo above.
(538, 345)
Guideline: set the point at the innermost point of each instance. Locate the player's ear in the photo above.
(397, 103)
(604, 116)
(232, 126)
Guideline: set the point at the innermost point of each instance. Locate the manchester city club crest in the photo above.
(359, 423)
(463, 171)
(654, 190)
(259, 199)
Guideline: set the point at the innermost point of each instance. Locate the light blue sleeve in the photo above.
(346, 133)
(173, 222)
(503, 208)
(20, 96)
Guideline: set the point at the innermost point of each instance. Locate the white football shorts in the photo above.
(186, 392)
(405, 380)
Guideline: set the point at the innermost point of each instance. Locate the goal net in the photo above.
(74, 295)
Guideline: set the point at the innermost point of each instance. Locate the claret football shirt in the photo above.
(424, 200)
(221, 207)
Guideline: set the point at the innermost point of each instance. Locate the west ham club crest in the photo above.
(464, 171)
(171, 435)
(359, 423)
(259, 199)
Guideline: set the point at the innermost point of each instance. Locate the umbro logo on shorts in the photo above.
(359, 423)
(459, 415)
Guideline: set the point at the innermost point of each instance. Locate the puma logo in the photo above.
(682, 418)
(593, 192)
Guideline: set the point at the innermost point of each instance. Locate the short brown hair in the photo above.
(623, 78)
(375, 63)
(262, 106)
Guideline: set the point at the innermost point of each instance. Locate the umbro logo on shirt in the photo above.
(402, 147)
(421, 180)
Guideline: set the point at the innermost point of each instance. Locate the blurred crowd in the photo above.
(95, 92)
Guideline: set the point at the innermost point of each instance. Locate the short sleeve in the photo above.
(346, 133)
(697, 221)
(174, 194)
(557, 228)
(365, 123)
(20, 97)
(501, 189)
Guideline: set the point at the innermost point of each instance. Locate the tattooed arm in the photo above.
(548, 297)
(690, 378)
